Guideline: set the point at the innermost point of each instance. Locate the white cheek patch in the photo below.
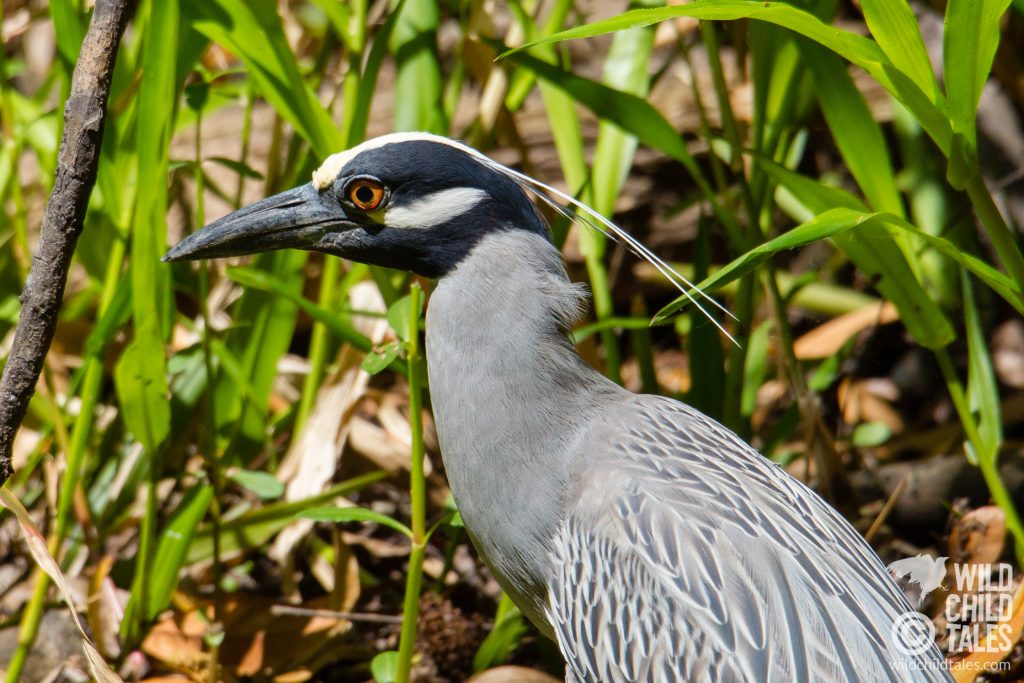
(435, 208)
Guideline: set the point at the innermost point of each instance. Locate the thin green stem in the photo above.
(213, 465)
(593, 251)
(132, 629)
(643, 349)
(22, 252)
(732, 411)
(709, 35)
(1006, 247)
(29, 625)
(987, 463)
(417, 493)
(246, 135)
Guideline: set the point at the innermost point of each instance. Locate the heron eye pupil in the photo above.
(364, 194)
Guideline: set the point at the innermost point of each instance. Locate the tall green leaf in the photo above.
(865, 239)
(418, 83)
(631, 113)
(982, 388)
(894, 26)
(969, 45)
(172, 549)
(141, 381)
(253, 31)
(625, 69)
(857, 49)
(855, 131)
(142, 371)
(242, 400)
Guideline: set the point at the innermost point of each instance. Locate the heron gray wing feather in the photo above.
(687, 556)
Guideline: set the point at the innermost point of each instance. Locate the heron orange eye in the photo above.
(365, 193)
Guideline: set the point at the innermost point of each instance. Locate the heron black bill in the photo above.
(296, 219)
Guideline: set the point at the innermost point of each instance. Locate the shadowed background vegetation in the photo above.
(234, 463)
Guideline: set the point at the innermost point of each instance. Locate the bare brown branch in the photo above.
(84, 116)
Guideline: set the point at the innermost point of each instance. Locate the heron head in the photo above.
(411, 201)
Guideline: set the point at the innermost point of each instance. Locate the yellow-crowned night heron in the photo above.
(647, 539)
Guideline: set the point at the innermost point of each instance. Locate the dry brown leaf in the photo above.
(978, 537)
(168, 643)
(37, 546)
(673, 371)
(378, 547)
(673, 31)
(990, 650)
(1008, 353)
(869, 400)
(827, 339)
(25, 442)
(379, 446)
(327, 573)
(252, 661)
(104, 611)
(256, 640)
(299, 676)
(513, 674)
(313, 458)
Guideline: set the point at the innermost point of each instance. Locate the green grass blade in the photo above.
(853, 47)
(819, 197)
(561, 111)
(708, 378)
(263, 484)
(856, 133)
(982, 389)
(339, 15)
(868, 247)
(141, 373)
(631, 113)
(970, 40)
(872, 247)
(340, 515)
(894, 26)
(509, 628)
(253, 278)
(418, 82)
(251, 529)
(815, 195)
(69, 26)
(625, 69)
(861, 144)
(173, 548)
(258, 348)
(368, 82)
(253, 31)
(857, 49)
(141, 381)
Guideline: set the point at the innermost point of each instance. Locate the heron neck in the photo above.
(511, 397)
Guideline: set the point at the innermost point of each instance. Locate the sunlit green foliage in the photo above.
(167, 426)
